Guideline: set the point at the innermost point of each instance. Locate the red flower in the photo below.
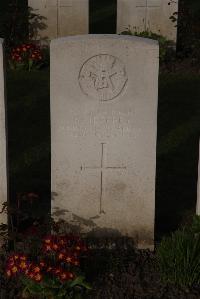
(64, 276)
(61, 256)
(69, 259)
(47, 247)
(49, 269)
(23, 258)
(42, 264)
(38, 277)
(16, 264)
(55, 246)
(8, 272)
(36, 269)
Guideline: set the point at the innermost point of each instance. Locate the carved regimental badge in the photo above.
(102, 77)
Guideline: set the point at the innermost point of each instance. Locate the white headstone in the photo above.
(151, 15)
(63, 17)
(3, 170)
(198, 187)
(103, 133)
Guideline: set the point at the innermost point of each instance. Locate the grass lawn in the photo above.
(177, 149)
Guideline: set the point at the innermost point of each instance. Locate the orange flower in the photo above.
(61, 256)
(36, 269)
(23, 265)
(14, 269)
(55, 246)
(38, 277)
(68, 259)
(47, 241)
(16, 257)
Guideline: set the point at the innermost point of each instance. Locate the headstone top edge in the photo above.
(78, 38)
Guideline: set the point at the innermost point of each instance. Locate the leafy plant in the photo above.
(195, 225)
(167, 47)
(179, 256)
(35, 264)
(25, 57)
(53, 272)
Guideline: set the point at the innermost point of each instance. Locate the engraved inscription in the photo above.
(102, 77)
(102, 125)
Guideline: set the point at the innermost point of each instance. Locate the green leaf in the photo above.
(51, 283)
(30, 64)
(79, 281)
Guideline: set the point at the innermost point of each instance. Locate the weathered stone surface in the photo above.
(198, 187)
(3, 170)
(63, 17)
(103, 134)
(152, 15)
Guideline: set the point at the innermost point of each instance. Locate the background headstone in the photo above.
(63, 17)
(3, 170)
(151, 15)
(103, 134)
(198, 187)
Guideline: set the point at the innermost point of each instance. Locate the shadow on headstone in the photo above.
(103, 16)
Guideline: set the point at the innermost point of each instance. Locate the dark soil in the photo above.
(130, 274)
(180, 66)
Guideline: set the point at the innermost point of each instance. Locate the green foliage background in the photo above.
(179, 256)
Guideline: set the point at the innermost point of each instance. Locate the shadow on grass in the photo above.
(177, 150)
(29, 134)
